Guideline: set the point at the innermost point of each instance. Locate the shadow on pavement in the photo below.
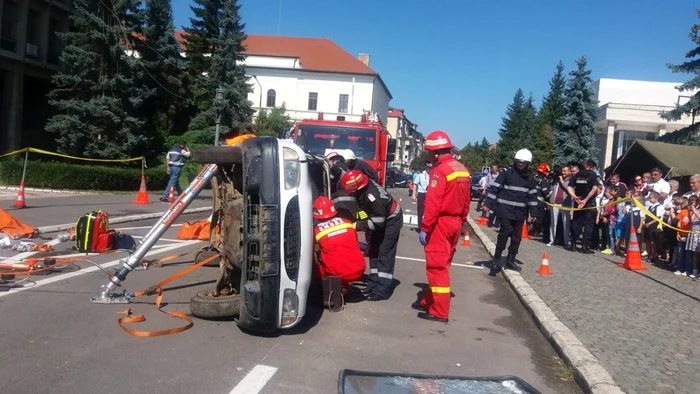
(641, 273)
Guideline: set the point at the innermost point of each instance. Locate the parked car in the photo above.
(476, 188)
(402, 180)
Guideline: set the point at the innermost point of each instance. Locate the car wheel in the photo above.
(205, 306)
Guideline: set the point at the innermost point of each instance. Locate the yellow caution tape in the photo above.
(563, 208)
(659, 220)
(83, 158)
(15, 152)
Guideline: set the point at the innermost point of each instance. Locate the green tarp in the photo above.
(642, 156)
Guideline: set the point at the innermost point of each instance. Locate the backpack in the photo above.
(123, 241)
(92, 233)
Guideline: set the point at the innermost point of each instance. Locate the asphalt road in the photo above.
(57, 341)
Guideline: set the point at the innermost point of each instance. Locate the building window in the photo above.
(313, 101)
(271, 96)
(10, 19)
(623, 139)
(343, 104)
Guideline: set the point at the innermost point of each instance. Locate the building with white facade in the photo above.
(629, 110)
(312, 75)
(409, 142)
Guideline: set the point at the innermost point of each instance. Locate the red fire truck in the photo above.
(368, 139)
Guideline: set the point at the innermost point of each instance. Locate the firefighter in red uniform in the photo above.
(340, 254)
(446, 209)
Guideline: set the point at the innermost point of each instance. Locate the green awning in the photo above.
(674, 160)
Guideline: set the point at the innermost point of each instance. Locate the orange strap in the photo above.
(158, 290)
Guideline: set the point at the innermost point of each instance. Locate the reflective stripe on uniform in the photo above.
(373, 271)
(396, 213)
(344, 198)
(516, 188)
(490, 195)
(495, 184)
(512, 203)
(439, 290)
(533, 191)
(332, 229)
(457, 174)
(377, 219)
(532, 203)
(370, 225)
(385, 275)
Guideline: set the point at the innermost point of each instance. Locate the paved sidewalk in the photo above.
(53, 210)
(643, 326)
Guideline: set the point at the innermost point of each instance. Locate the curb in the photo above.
(588, 372)
(34, 189)
(120, 219)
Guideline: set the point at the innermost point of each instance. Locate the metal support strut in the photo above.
(106, 295)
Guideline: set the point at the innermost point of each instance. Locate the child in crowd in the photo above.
(603, 219)
(692, 245)
(610, 219)
(652, 225)
(684, 264)
(636, 220)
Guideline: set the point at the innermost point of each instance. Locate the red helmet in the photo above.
(353, 180)
(543, 168)
(438, 139)
(323, 208)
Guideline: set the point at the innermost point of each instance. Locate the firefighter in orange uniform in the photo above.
(339, 251)
(446, 209)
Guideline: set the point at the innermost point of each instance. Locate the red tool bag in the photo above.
(92, 233)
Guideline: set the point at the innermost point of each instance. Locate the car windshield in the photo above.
(317, 139)
(476, 178)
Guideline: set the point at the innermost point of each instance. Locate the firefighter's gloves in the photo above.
(423, 238)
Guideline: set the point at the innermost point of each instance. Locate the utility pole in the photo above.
(217, 106)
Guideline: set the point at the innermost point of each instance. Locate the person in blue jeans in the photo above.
(176, 160)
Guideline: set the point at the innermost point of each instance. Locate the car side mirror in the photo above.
(390, 157)
(391, 146)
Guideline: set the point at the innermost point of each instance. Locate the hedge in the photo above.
(118, 177)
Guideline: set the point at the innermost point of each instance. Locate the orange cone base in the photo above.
(525, 234)
(633, 267)
(466, 241)
(544, 270)
(142, 198)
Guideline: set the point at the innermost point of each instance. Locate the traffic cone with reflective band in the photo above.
(544, 267)
(142, 197)
(19, 201)
(633, 258)
(400, 200)
(466, 242)
(171, 195)
(525, 234)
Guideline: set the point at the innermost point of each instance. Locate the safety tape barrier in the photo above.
(44, 152)
(636, 202)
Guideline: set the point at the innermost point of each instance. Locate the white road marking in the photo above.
(142, 227)
(91, 255)
(457, 264)
(256, 379)
(163, 239)
(84, 271)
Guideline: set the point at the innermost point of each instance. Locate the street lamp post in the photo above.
(217, 105)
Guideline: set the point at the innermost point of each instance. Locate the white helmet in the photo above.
(524, 155)
(348, 154)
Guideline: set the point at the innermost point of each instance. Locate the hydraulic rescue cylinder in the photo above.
(106, 296)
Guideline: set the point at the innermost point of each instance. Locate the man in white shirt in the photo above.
(421, 187)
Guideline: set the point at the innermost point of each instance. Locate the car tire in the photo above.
(205, 254)
(205, 306)
(217, 154)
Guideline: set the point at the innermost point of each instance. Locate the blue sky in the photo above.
(456, 66)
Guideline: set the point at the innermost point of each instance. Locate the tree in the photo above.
(271, 123)
(692, 107)
(551, 111)
(164, 73)
(225, 72)
(574, 138)
(200, 43)
(517, 128)
(419, 162)
(96, 94)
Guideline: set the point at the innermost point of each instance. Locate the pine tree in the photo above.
(96, 96)
(517, 128)
(551, 111)
(225, 72)
(164, 73)
(574, 138)
(692, 107)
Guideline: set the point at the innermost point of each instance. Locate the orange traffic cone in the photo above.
(142, 197)
(19, 201)
(482, 220)
(171, 195)
(400, 200)
(525, 234)
(633, 259)
(466, 242)
(544, 267)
